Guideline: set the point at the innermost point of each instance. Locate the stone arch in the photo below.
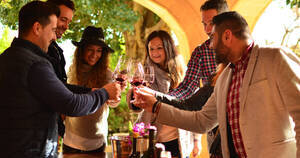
(184, 18)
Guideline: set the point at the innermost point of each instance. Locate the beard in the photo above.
(221, 53)
(221, 58)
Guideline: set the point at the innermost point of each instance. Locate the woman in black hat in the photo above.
(90, 68)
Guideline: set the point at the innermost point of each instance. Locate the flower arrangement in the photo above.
(140, 129)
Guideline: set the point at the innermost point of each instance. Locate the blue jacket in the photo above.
(31, 95)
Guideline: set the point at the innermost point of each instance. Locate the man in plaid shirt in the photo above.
(200, 67)
(202, 62)
(255, 99)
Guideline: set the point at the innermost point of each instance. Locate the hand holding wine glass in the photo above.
(113, 90)
(120, 75)
(136, 78)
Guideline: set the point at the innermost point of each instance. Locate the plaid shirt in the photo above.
(233, 104)
(201, 65)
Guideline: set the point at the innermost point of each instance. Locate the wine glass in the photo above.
(136, 74)
(121, 70)
(120, 74)
(148, 75)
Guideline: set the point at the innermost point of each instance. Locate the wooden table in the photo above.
(95, 155)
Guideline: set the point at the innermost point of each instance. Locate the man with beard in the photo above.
(201, 66)
(202, 63)
(253, 98)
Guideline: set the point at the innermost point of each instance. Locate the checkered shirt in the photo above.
(233, 104)
(201, 65)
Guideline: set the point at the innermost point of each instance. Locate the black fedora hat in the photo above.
(93, 35)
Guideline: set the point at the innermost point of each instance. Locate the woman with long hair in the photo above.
(90, 68)
(169, 69)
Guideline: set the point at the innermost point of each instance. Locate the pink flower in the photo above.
(142, 129)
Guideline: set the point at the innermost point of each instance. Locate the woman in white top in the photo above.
(90, 68)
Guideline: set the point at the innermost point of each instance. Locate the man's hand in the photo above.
(144, 98)
(93, 89)
(113, 103)
(113, 90)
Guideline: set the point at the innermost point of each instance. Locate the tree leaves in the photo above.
(293, 3)
(114, 16)
(5, 40)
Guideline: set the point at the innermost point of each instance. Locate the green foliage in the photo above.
(9, 12)
(4, 3)
(293, 3)
(5, 40)
(120, 117)
(114, 16)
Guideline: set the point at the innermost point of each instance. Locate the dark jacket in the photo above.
(194, 103)
(31, 95)
(57, 59)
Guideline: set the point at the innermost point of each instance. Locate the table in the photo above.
(94, 155)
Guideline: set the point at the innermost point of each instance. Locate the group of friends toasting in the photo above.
(249, 93)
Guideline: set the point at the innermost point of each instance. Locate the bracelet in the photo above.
(157, 108)
(154, 107)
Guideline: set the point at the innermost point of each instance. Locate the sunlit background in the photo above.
(271, 29)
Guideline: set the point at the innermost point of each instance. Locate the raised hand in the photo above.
(113, 90)
(143, 99)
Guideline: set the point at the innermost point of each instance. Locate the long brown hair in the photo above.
(93, 77)
(174, 64)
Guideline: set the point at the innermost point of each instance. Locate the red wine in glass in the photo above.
(120, 79)
(136, 82)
